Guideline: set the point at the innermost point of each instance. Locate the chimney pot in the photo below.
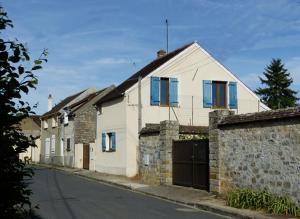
(161, 53)
(49, 102)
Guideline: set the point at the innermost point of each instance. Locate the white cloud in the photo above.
(111, 61)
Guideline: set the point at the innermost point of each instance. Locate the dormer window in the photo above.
(54, 122)
(45, 124)
(66, 119)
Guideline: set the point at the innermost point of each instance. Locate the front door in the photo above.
(86, 156)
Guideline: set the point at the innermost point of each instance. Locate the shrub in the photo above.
(262, 200)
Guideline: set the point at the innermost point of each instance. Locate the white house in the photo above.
(183, 85)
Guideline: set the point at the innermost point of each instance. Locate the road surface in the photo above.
(61, 195)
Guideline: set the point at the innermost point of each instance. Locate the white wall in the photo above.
(112, 119)
(191, 68)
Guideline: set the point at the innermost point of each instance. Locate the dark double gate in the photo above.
(191, 163)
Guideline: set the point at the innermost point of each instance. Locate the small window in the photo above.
(54, 122)
(164, 92)
(45, 124)
(68, 144)
(109, 142)
(219, 94)
(66, 119)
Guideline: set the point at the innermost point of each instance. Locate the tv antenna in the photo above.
(167, 28)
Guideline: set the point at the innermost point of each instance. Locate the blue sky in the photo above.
(94, 43)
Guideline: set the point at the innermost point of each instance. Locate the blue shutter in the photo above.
(113, 141)
(207, 100)
(103, 142)
(155, 82)
(232, 95)
(173, 92)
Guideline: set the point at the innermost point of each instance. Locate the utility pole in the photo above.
(139, 104)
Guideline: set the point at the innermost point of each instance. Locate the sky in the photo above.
(96, 43)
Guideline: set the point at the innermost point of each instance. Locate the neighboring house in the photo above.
(31, 126)
(183, 85)
(71, 122)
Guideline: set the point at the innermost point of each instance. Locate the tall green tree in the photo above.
(16, 79)
(276, 92)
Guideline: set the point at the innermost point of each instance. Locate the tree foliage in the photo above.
(277, 92)
(16, 79)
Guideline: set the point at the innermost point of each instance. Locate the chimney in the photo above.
(49, 102)
(161, 53)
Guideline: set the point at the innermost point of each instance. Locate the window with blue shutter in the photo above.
(113, 141)
(232, 95)
(155, 84)
(173, 92)
(207, 100)
(103, 142)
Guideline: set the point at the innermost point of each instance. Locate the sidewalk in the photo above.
(182, 195)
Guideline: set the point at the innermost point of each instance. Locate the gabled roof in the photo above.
(119, 90)
(61, 105)
(77, 105)
(36, 119)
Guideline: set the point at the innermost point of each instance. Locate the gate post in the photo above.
(169, 131)
(215, 160)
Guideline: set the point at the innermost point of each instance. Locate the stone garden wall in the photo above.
(155, 148)
(260, 151)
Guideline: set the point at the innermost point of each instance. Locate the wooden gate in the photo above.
(191, 163)
(86, 156)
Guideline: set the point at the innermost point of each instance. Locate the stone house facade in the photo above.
(74, 114)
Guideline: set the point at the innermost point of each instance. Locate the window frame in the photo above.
(68, 144)
(167, 90)
(216, 101)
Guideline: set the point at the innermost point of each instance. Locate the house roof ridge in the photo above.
(61, 104)
(143, 72)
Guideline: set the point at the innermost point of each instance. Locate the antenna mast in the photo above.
(167, 26)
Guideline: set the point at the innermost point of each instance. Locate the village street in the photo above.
(62, 195)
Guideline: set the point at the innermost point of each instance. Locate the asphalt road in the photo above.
(63, 195)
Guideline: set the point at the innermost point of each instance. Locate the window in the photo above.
(68, 144)
(109, 142)
(219, 94)
(215, 94)
(45, 124)
(164, 92)
(66, 119)
(54, 122)
(53, 144)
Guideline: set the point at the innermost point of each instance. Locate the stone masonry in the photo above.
(156, 153)
(260, 151)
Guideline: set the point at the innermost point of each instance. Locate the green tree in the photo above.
(16, 79)
(277, 92)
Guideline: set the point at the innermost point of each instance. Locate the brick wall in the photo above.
(259, 151)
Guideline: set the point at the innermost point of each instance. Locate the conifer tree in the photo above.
(276, 92)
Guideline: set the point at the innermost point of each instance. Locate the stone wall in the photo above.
(155, 148)
(260, 151)
(85, 125)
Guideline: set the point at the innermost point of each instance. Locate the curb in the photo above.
(221, 210)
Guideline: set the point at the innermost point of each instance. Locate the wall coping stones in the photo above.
(153, 128)
(292, 112)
